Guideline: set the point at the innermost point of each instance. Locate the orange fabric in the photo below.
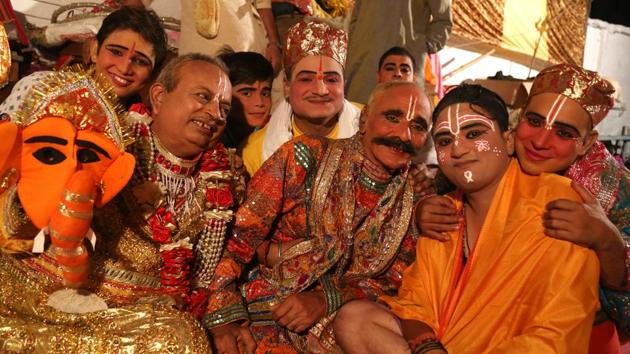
(604, 339)
(520, 291)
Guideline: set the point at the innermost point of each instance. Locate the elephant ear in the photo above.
(10, 141)
(115, 178)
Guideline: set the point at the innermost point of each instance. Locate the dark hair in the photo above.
(476, 96)
(247, 67)
(398, 51)
(144, 22)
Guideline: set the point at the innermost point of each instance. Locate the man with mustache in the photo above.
(338, 215)
(314, 60)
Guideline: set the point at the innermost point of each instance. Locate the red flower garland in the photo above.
(177, 260)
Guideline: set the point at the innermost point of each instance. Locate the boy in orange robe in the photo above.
(498, 284)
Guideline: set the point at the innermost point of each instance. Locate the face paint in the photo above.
(129, 56)
(454, 123)
(469, 177)
(411, 112)
(555, 109)
(482, 145)
(496, 150)
(441, 156)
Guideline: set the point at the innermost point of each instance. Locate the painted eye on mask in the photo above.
(87, 156)
(49, 155)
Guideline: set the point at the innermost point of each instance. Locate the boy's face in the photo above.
(472, 151)
(552, 133)
(252, 103)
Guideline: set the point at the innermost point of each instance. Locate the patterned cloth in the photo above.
(352, 231)
(609, 182)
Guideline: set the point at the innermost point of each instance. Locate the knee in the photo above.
(354, 316)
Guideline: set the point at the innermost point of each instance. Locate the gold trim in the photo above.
(54, 233)
(69, 213)
(77, 198)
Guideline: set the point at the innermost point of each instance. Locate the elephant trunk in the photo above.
(69, 225)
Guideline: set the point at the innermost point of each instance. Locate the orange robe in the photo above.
(519, 292)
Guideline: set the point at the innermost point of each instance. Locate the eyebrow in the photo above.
(315, 73)
(470, 126)
(420, 120)
(46, 139)
(564, 125)
(118, 46)
(91, 145)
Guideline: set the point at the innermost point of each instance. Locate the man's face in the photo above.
(552, 133)
(252, 103)
(396, 126)
(126, 60)
(316, 88)
(190, 119)
(472, 151)
(396, 68)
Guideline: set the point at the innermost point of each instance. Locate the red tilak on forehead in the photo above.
(320, 71)
(132, 50)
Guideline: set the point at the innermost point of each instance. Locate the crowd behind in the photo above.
(352, 213)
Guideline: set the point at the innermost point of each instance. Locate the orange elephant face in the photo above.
(50, 152)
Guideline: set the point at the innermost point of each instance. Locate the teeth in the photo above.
(120, 80)
(203, 125)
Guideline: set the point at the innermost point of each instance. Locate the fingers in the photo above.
(441, 201)
(562, 215)
(586, 196)
(247, 340)
(439, 227)
(563, 204)
(557, 224)
(226, 344)
(559, 234)
(280, 311)
(436, 236)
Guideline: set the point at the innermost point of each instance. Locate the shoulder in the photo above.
(21, 90)
(252, 151)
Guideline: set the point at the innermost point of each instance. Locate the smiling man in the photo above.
(338, 216)
(498, 284)
(314, 60)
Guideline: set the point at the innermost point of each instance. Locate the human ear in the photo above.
(508, 136)
(156, 96)
(589, 141)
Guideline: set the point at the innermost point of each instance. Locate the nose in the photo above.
(320, 86)
(124, 65)
(213, 110)
(259, 99)
(459, 149)
(397, 74)
(542, 138)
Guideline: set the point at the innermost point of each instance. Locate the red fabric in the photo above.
(604, 339)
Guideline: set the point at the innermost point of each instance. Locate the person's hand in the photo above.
(299, 312)
(274, 55)
(421, 180)
(585, 224)
(435, 216)
(233, 338)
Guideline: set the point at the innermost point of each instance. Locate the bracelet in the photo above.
(413, 343)
(428, 345)
(333, 296)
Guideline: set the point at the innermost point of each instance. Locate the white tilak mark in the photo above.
(468, 176)
(554, 111)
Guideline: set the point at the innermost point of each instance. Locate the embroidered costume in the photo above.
(157, 245)
(341, 224)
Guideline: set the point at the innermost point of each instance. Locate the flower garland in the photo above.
(178, 264)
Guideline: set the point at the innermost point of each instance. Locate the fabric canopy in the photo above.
(512, 28)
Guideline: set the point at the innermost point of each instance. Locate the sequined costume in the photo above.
(156, 248)
(353, 235)
(609, 182)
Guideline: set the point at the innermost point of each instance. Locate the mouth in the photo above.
(257, 114)
(119, 81)
(204, 126)
(318, 100)
(463, 164)
(533, 156)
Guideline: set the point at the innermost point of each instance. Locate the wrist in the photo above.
(609, 241)
(275, 43)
